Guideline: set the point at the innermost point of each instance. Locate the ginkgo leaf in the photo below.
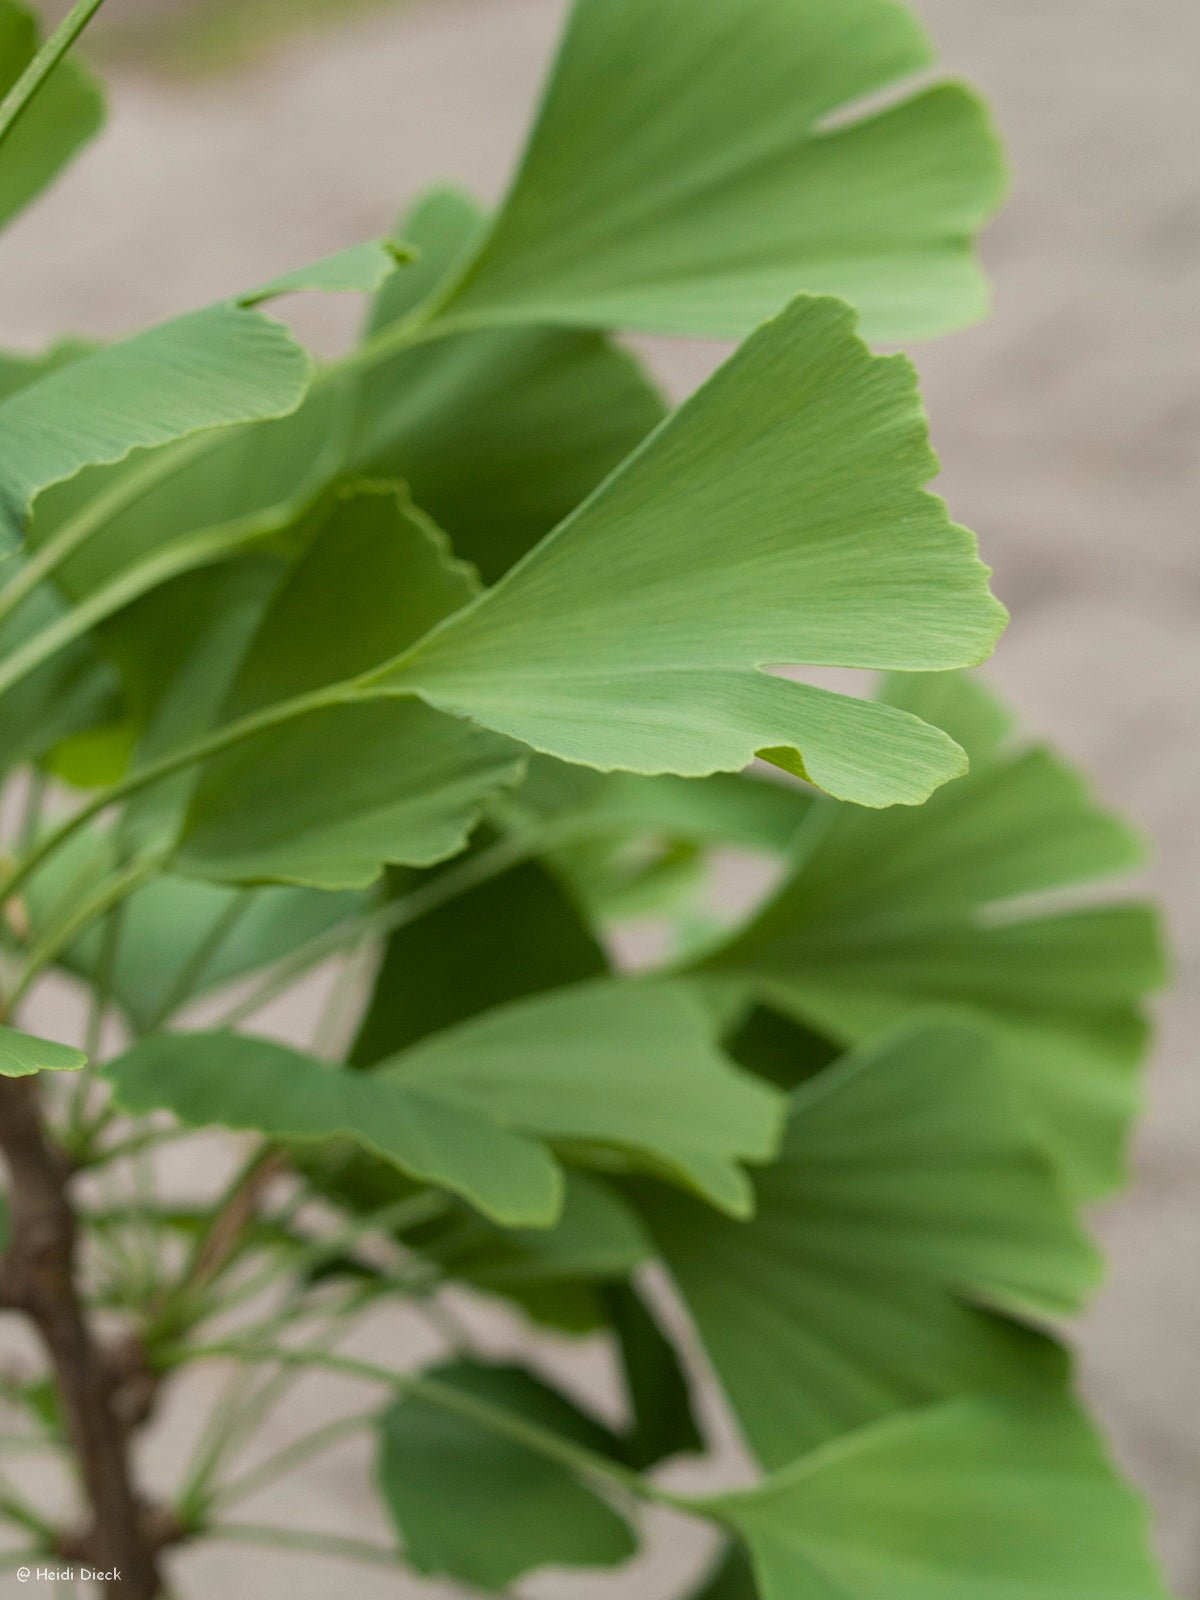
(778, 517)
(697, 163)
(972, 1497)
(888, 916)
(233, 1081)
(518, 934)
(411, 782)
(23, 1054)
(360, 269)
(207, 369)
(542, 415)
(524, 1511)
(610, 1065)
(909, 1186)
(67, 112)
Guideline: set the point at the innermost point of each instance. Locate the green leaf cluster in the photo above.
(450, 660)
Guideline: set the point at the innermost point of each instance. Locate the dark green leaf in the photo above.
(483, 1509)
(909, 1186)
(888, 916)
(659, 1395)
(238, 1082)
(516, 935)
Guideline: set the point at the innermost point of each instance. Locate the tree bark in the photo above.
(38, 1278)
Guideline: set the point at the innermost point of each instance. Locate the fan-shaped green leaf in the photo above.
(887, 916)
(610, 1066)
(67, 112)
(908, 1186)
(486, 1510)
(778, 517)
(698, 162)
(22, 1054)
(972, 1498)
(410, 781)
(656, 1387)
(207, 369)
(542, 415)
(239, 1082)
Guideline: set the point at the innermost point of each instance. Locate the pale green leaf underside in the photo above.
(970, 1498)
(360, 269)
(727, 164)
(67, 112)
(238, 1082)
(483, 1509)
(777, 518)
(614, 1066)
(207, 369)
(23, 1054)
(909, 1185)
(889, 915)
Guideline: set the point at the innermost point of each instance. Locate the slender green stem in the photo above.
(203, 549)
(201, 959)
(109, 895)
(239, 1413)
(144, 1139)
(469, 874)
(14, 1508)
(127, 490)
(24, 91)
(31, 813)
(496, 1420)
(290, 1457)
(317, 1544)
(225, 738)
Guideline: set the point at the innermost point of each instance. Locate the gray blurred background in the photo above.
(1067, 424)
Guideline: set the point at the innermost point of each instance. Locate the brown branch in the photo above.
(38, 1278)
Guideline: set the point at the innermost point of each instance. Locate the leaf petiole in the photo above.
(22, 94)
